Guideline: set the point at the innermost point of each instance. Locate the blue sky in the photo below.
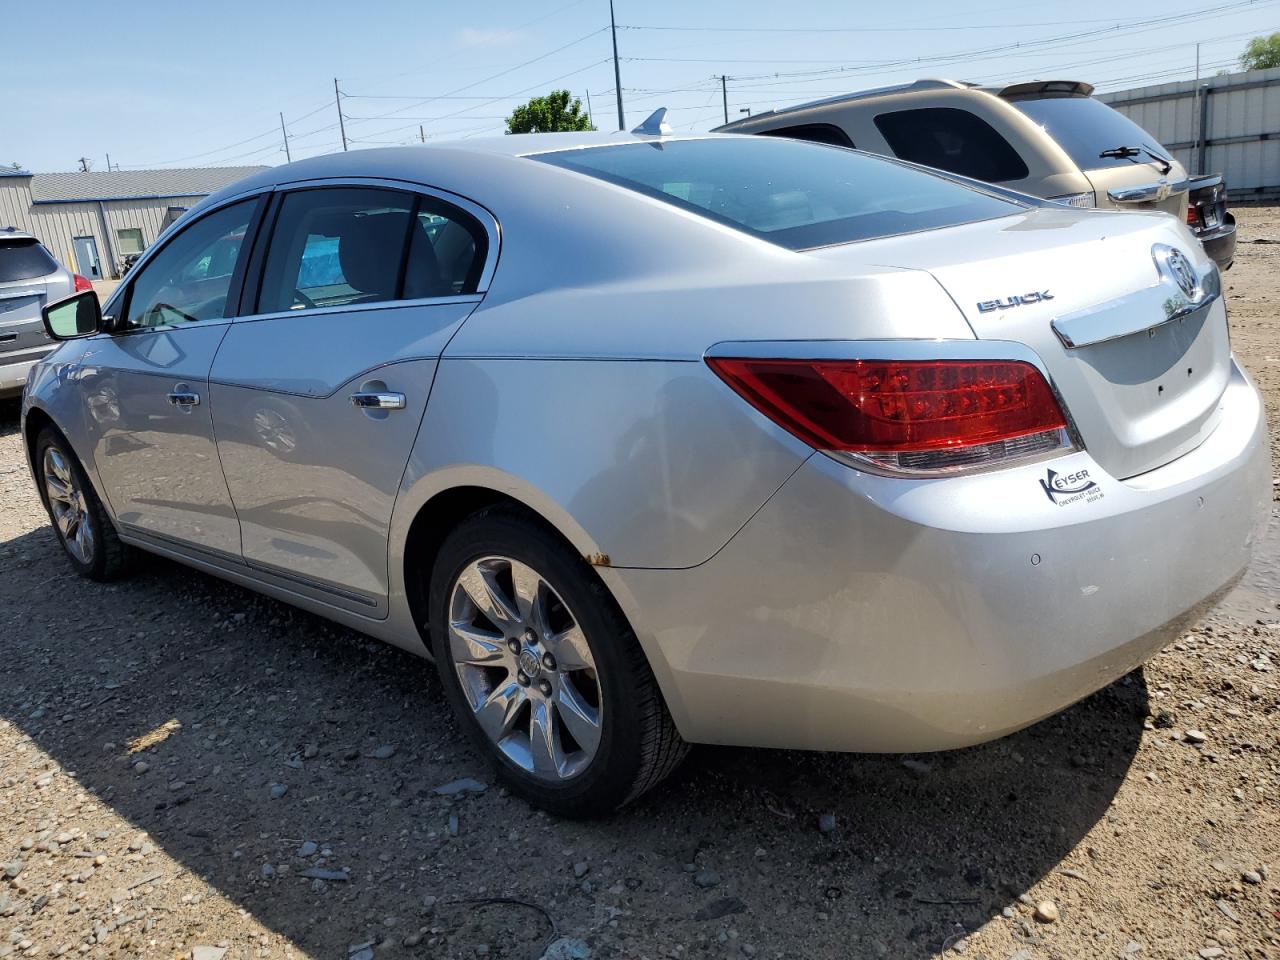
(174, 84)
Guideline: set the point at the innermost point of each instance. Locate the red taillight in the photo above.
(82, 283)
(893, 406)
(1193, 216)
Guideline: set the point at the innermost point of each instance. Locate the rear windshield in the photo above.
(1088, 128)
(24, 260)
(795, 194)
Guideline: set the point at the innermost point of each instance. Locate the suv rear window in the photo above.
(24, 260)
(1087, 128)
(953, 140)
(798, 195)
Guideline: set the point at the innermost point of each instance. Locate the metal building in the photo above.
(1228, 124)
(90, 221)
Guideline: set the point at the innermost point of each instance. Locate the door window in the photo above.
(344, 246)
(953, 140)
(190, 278)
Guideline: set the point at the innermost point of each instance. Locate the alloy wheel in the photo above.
(68, 506)
(525, 668)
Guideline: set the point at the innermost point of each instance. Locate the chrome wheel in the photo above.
(67, 503)
(525, 668)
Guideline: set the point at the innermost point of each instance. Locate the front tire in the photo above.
(542, 669)
(87, 535)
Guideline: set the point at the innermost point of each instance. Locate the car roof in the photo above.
(1015, 91)
(456, 165)
(13, 233)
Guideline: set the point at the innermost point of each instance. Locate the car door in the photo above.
(146, 385)
(319, 392)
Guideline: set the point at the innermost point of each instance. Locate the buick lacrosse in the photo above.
(650, 440)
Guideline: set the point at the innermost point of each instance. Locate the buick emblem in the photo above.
(530, 663)
(1173, 263)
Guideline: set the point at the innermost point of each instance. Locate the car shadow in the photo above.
(228, 696)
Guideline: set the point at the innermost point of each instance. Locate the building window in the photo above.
(129, 240)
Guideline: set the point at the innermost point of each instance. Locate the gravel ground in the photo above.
(189, 769)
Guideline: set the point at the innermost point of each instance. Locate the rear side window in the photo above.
(789, 192)
(953, 140)
(343, 246)
(24, 260)
(827, 133)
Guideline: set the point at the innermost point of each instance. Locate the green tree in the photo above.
(1261, 52)
(558, 110)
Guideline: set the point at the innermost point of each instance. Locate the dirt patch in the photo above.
(186, 764)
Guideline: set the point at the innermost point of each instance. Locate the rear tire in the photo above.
(542, 669)
(87, 535)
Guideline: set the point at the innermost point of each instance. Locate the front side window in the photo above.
(190, 278)
(953, 140)
(795, 194)
(344, 246)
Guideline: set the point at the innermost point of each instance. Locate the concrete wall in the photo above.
(57, 223)
(1241, 126)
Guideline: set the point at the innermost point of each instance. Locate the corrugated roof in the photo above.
(134, 184)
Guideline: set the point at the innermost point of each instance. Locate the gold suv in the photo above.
(1050, 139)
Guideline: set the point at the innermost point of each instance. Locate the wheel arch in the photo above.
(440, 511)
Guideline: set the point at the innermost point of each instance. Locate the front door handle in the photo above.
(184, 398)
(378, 400)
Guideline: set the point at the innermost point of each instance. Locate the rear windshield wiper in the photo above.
(1128, 153)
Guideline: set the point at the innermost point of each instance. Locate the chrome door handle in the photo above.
(184, 398)
(374, 400)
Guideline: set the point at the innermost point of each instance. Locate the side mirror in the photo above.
(74, 317)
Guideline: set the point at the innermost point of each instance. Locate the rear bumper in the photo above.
(857, 612)
(1220, 244)
(13, 372)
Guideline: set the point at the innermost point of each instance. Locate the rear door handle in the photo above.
(184, 398)
(377, 400)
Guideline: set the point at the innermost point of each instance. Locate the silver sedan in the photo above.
(651, 440)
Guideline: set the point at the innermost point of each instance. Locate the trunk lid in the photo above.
(1140, 388)
(21, 328)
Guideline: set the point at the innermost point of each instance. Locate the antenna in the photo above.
(655, 126)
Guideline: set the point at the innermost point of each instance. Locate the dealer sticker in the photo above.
(1065, 489)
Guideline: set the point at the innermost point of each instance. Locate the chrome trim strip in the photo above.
(1160, 190)
(1127, 315)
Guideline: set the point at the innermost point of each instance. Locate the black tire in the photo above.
(108, 559)
(638, 744)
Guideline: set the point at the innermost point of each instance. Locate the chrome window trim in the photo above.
(359, 307)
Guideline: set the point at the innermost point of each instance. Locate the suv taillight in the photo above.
(920, 416)
(82, 283)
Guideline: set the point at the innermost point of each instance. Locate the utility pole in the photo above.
(285, 137)
(724, 93)
(337, 99)
(590, 118)
(422, 134)
(1199, 114)
(84, 164)
(617, 74)
(108, 163)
